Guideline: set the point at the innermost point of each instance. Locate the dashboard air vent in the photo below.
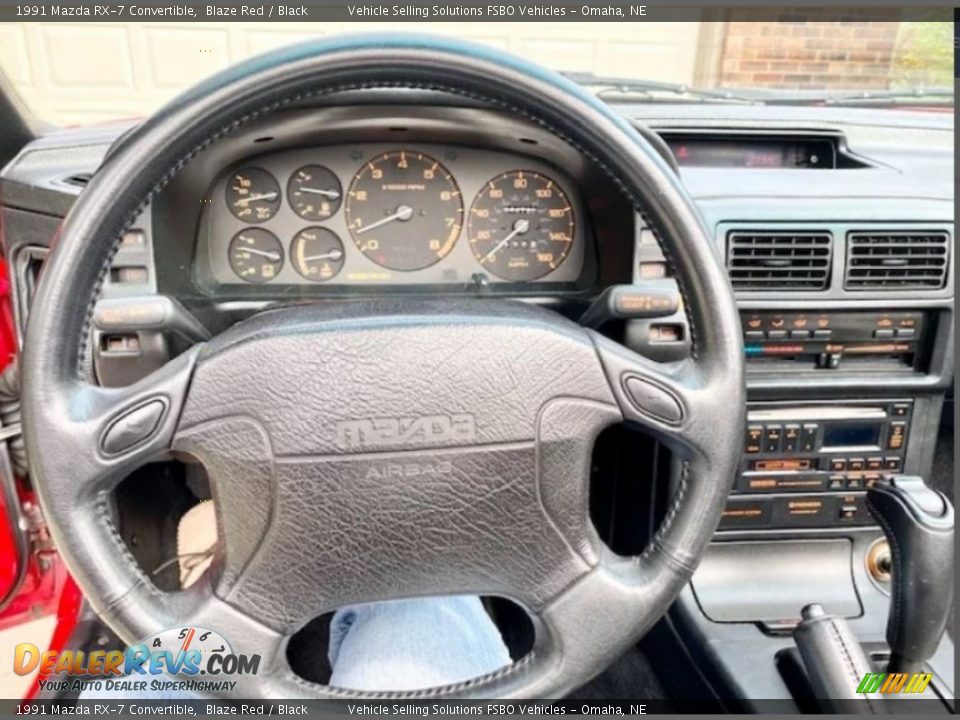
(768, 260)
(897, 260)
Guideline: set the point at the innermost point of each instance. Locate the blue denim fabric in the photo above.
(397, 645)
(413, 644)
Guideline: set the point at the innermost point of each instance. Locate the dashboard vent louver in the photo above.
(768, 261)
(897, 260)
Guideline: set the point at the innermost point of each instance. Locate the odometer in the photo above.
(404, 210)
(521, 226)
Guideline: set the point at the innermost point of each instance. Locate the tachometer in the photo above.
(317, 253)
(256, 255)
(521, 225)
(404, 210)
(253, 195)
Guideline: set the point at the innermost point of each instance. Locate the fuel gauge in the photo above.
(317, 253)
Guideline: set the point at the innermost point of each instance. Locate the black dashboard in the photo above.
(837, 226)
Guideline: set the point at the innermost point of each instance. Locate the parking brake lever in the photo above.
(918, 523)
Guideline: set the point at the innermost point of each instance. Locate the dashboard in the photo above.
(389, 214)
(837, 225)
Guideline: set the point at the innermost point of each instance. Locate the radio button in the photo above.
(875, 463)
(838, 465)
(870, 480)
(754, 439)
(848, 511)
(799, 334)
(856, 464)
(854, 482)
(901, 409)
(791, 438)
(822, 334)
(891, 463)
(771, 438)
(906, 333)
(885, 334)
(897, 435)
(754, 335)
(808, 438)
(837, 482)
(777, 334)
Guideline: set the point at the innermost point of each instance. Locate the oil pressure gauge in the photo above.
(253, 195)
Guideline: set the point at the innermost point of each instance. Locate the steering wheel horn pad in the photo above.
(383, 449)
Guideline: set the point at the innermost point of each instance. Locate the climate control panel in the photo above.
(825, 340)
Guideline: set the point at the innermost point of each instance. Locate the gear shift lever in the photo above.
(918, 523)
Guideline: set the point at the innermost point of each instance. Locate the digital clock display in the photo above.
(757, 153)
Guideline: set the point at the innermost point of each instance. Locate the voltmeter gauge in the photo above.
(256, 255)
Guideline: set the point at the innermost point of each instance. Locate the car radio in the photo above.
(809, 464)
(824, 340)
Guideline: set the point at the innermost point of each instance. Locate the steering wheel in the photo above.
(379, 450)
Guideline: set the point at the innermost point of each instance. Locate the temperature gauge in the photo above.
(314, 192)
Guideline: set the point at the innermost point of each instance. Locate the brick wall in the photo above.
(808, 54)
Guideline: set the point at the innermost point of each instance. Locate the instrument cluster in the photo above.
(383, 215)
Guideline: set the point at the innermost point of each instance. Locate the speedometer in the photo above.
(404, 210)
(521, 226)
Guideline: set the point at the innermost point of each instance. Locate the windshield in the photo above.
(83, 73)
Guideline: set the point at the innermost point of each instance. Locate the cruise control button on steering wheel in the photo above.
(132, 427)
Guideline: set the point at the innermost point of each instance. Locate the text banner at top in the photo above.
(426, 11)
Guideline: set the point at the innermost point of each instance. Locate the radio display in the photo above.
(851, 435)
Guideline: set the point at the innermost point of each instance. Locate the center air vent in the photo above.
(765, 260)
(897, 260)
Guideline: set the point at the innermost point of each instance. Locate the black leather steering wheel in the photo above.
(389, 449)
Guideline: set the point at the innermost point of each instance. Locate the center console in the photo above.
(842, 396)
(809, 464)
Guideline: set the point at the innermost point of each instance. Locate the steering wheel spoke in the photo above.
(109, 432)
(676, 402)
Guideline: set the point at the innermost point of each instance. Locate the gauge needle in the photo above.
(317, 191)
(404, 213)
(331, 255)
(271, 255)
(520, 227)
(252, 198)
